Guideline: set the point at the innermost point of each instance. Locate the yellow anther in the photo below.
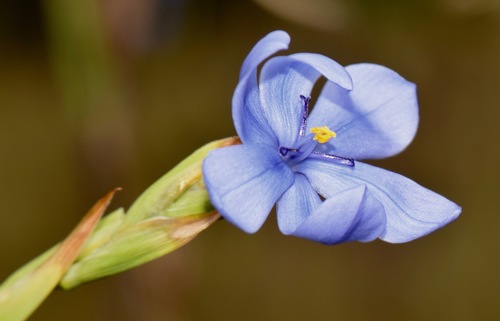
(323, 134)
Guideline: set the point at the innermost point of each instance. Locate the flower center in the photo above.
(302, 149)
(305, 145)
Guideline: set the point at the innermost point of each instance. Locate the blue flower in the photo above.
(308, 164)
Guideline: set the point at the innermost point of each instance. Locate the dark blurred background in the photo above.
(96, 94)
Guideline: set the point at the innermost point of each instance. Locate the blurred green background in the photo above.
(98, 94)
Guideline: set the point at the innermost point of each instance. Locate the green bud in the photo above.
(137, 244)
(159, 197)
(170, 213)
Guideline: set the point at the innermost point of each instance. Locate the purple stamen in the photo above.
(284, 151)
(305, 113)
(336, 159)
(289, 153)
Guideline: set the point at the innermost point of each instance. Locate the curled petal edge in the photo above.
(271, 43)
(351, 215)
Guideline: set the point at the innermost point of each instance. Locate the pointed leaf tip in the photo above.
(26, 289)
(71, 246)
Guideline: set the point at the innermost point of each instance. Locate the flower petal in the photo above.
(411, 210)
(283, 80)
(244, 182)
(377, 119)
(351, 215)
(296, 204)
(264, 48)
(249, 119)
(329, 68)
